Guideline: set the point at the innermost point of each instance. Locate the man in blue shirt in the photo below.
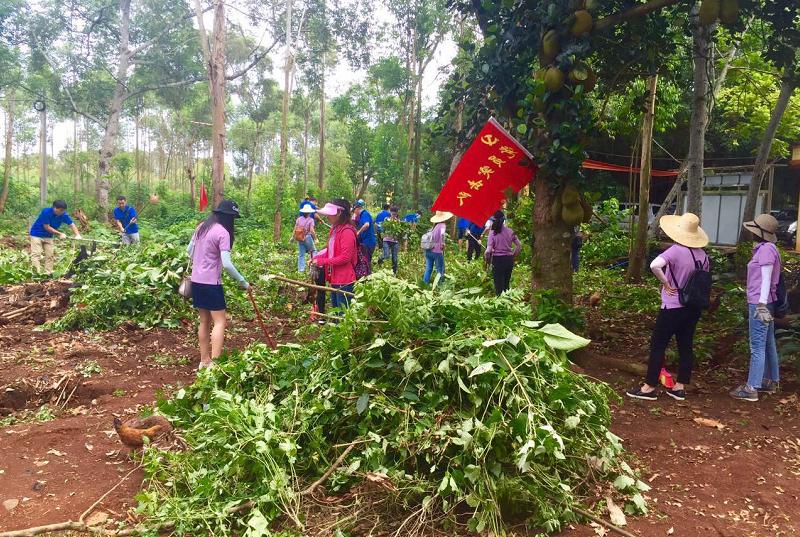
(125, 215)
(42, 232)
(474, 233)
(365, 230)
(383, 215)
(412, 217)
(461, 230)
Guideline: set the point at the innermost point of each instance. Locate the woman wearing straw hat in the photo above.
(673, 268)
(435, 255)
(305, 235)
(763, 273)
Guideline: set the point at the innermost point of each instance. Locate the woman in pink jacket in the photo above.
(338, 260)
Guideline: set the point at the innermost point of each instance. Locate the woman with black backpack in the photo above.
(683, 270)
(763, 275)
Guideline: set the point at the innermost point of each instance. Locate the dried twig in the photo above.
(598, 520)
(103, 497)
(328, 472)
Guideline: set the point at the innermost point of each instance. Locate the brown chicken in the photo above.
(594, 300)
(132, 433)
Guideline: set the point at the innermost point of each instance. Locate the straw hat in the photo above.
(764, 226)
(441, 216)
(684, 229)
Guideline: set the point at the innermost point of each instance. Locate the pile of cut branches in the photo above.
(461, 407)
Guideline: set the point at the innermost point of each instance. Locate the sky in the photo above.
(342, 77)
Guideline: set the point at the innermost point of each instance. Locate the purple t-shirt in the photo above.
(438, 238)
(764, 254)
(680, 265)
(207, 257)
(305, 222)
(502, 244)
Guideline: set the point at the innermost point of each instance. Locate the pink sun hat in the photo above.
(330, 209)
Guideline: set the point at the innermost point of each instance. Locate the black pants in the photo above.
(473, 247)
(680, 322)
(502, 265)
(320, 294)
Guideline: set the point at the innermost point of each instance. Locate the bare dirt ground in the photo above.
(716, 466)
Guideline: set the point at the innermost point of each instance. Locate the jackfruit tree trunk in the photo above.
(760, 169)
(217, 80)
(639, 249)
(552, 241)
(321, 176)
(701, 53)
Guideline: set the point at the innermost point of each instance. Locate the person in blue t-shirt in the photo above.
(474, 233)
(127, 221)
(383, 215)
(365, 227)
(412, 217)
(42, 232)
(461, 230)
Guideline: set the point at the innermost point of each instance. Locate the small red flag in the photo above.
(493, 163)
(203, 198)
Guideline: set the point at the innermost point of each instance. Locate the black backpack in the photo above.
(697, 291)
(782, 301)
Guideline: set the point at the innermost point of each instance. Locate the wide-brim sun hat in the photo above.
(307, 209)
(330, 209)
(764, 226)
(684, 229)
(441, 216)
(228, 207)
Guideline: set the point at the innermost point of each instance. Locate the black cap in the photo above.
(228, 207)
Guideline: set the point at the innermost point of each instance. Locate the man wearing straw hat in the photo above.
(763, 274)
(673, 269)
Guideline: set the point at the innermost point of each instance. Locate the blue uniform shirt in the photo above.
(367, 237)
(125, 218)
(383, 215)
(411, 217)
(475, 229)
(49, 217)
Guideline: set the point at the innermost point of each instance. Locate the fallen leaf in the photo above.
(10, 505)
(670, 531)
(708, 422)
(56, 452)
(89, 446)
(95, 519)
(615, 513)
(598, 529)
(40, 463)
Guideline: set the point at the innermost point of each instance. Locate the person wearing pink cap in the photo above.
(338, 260)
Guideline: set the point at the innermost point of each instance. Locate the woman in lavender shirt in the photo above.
(435, 256)
(501, 249)
(672, 268)
(763, 273)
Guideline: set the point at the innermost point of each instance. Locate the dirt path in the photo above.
(52, 471)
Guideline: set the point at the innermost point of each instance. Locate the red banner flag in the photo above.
(493, 163)
(203, 198)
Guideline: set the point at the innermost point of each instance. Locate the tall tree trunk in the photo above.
(701, 55)
(7, 159)
(306, 128)
(760, 169)
(276, 229)
(417, 140)
(321, 177)
(190, 171)
(550, 266)
(412, 61)
(76, 167)
(252, 165)
(640, 245)
(136, 153)
(218, 104)
(107, 148)
(43, 158)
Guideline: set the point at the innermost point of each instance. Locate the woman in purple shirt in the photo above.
(501, 249)
(763, 273)
(435, 256)
(673, 268)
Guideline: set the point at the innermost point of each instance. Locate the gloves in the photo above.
(763, 314)
(244, 285)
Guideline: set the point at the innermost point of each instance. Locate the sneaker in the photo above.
(678, 395)
(768, 386)
(744, 393)
(637, 393)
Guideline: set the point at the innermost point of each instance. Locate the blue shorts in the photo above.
(208, 297)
